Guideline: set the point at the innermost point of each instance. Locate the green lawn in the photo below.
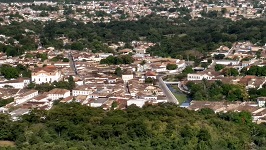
(180, 97)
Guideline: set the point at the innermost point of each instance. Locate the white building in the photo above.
(19, 83)
(180, 64)
(227, 62)
(23, 97)
(46, 74)
(40, 98)
(137, 102)
(261, 101)
(82, 90)
(56, 94)
(17, 113)
(127, 76)
(199, 76)
(105, 55)
(99, 102)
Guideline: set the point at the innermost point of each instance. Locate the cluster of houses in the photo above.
(242, 54)
(96, 84)
(89, 11)
(106, 11)
(234, 58)
(257, 109)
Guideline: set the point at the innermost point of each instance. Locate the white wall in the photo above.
(58, 96)
(20, 100)
(44, 78)
(138, 102)
(80, 92)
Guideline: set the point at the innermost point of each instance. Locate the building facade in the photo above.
(47, 74)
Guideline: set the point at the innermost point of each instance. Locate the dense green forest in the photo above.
(217, 91)
(73, 126)
(173, 37)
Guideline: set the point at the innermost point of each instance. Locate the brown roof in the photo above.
(261, 98)
(40, 97)
(58, 91)
(69, 98)
(150, 73)
(49, 68)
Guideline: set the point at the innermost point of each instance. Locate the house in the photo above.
(56, 94)
(127, 76)
(67, 99)
(150, 74)
(19, 83)
(17, 113)
(8, 92)
(180, 64)
(227, 62)
(261, 101)
(207, 74)
(23, 97)
(137, 102)
(125, 51)
(161, 99)
(40, 98)
(83, 99)
(99, 102)
(82, 90)
(46, 74)
(140, 50)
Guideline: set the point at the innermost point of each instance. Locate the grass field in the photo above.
(180, 97)
(7, 144)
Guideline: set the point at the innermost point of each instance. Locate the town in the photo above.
(127, 73)
(133, 74)
(106, 11)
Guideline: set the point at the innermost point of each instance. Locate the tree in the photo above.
(71, 82)
(44, 14)
(149, 80)
(219, 56)
(118, 71)
(223, 11)
(188, 70)
(171, 66)
(9, 72)
(143, 62)
(114, 104)
(230, 72)
(65, 60)
(218, 67)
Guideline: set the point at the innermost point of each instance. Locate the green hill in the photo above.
(72, 126)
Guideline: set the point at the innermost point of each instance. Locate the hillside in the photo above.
(72, 126)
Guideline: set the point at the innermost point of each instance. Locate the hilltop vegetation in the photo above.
(164, 126)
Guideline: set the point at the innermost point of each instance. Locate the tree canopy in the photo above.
(73, 126)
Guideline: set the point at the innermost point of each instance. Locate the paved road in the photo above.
(72, 63)
(170, 96)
